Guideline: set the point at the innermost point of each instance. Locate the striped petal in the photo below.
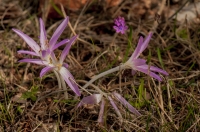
(136, 53)
(58, 32)
(67, 48)
(35, 61)
(156, 69)
(45, 70)
(43, 36)
(68, 78)
(27, 52)
(138, 62)
(34, 46)
(148, 72)
(142, 45)
(60, 44)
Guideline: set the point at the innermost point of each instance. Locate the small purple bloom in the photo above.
(46, 54)
(137, 64)
(120, 25)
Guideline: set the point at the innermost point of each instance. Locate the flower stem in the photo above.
(58, 78)
(121, 67)
(64, 87)
(61, 83)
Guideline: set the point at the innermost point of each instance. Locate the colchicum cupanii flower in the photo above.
(134, 63)
(97, 98)
(137, 64)
(120, 25)
(46, 54)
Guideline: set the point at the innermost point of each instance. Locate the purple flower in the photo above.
(137, 64)
(120, 25)
(46, 54)
(46, 47)
(97, 98)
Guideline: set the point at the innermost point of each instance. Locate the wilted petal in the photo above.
(67, 48)
(28, 40)
(92, 99)
(126, 104)
(114, 106)
(45, 70)
(58, 32)
(35, 61)
(67, 77)
(60, 44)
(43, 36)
(27, 52)
(100, 118)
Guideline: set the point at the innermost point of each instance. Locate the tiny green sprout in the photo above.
(31, 94)
(182, 33)
(19, 109)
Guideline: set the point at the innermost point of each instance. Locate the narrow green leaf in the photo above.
(160, 58)
(56, 8)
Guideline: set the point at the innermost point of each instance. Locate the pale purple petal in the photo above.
(67, 48)
(138, 62)
(43, 36)
(126, 104)
(27, 52)
(67, 77)
(114, 106)
(136, 53)
(45, 53)
(142, 45)
(60, 44)
(146, 42)
(155, 69)
(35, 61)
(100, 118)
(45, 70)
(53, 57)
(92, 99)
(58, 32)
(65, 65)
(28, 40)
(148, 72)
